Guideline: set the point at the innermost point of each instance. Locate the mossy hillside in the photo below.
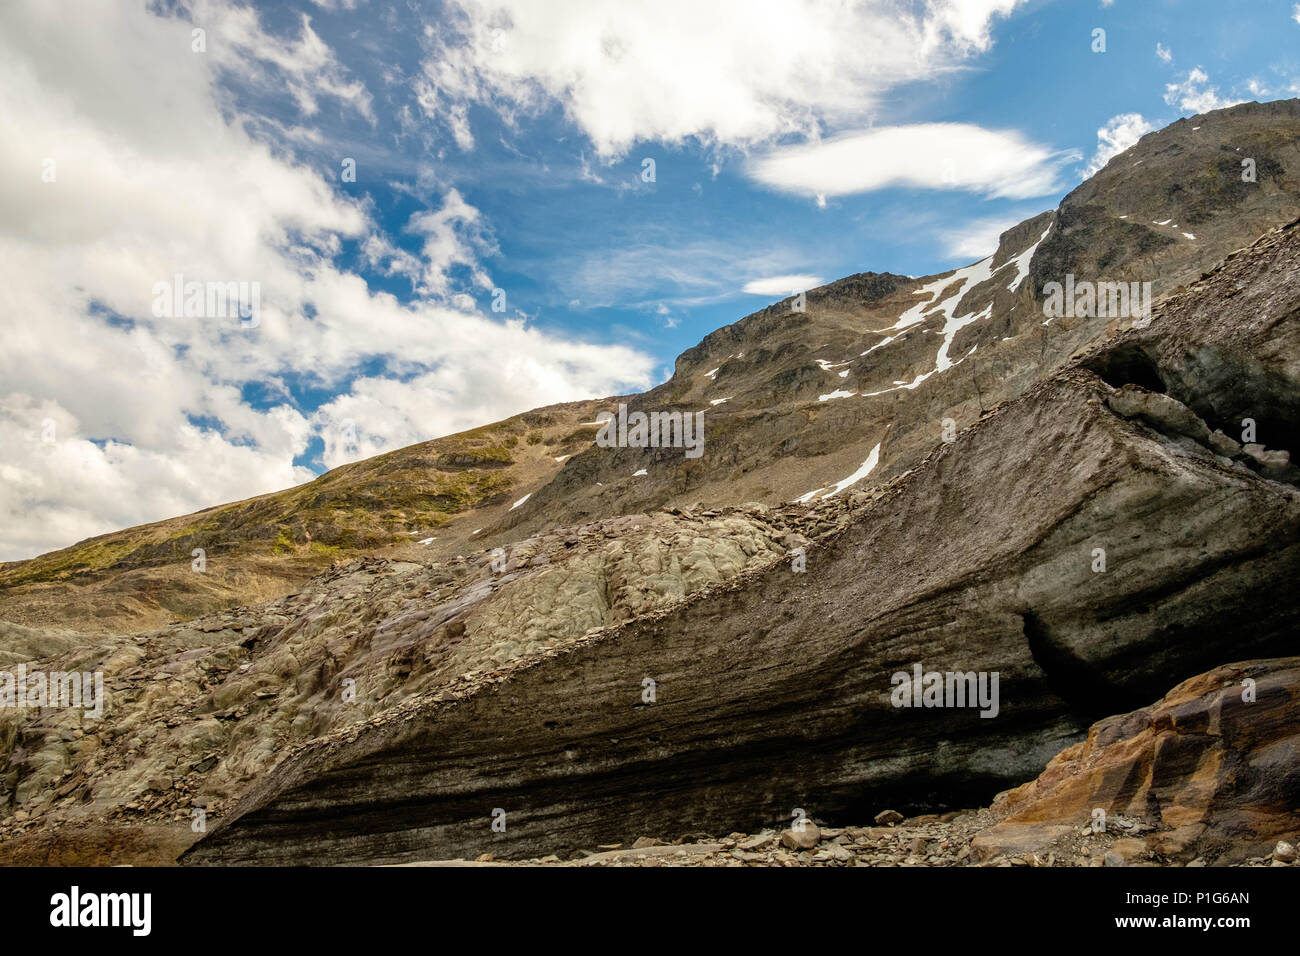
(358, 506)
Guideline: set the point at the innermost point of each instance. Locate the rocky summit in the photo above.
(959, 577)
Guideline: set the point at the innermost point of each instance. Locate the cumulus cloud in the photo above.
(123, 164)
(1164, 53)
(1119, 133)
(729, 72)
(1194, 94)
(922, 156)
(454, 235)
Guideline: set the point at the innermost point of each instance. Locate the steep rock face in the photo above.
(795, 401)
(1211, 771)
(1091, 557)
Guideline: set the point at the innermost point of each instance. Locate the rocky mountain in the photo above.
(795, 402)
(774, 688)
(585, 645)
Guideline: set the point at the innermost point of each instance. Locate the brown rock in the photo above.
(803, 837)
(1223, 771)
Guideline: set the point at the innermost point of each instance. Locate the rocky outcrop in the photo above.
(194, 713)
(1090, 548)
(1211, 773)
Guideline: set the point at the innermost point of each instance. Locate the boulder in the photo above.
(1213, 767)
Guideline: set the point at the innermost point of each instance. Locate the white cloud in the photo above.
(660, 266)
(1286, 84)
(1295, 13)
(1194, 94)
(977, 239)
(783, 285)
(729, 72)
(453, 236)
(923, 156)
(486, 371)
(155, 174)
(1119, 133)
(306, 66)
(1164, 53)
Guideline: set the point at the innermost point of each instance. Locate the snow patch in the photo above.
(1022, 261)
(521, 501)
(866, 468)
(836, 394)
(639, 474)
(885, 341)
(969, 277)
(719, 401)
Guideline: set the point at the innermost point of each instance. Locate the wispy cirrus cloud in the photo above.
(974, 240)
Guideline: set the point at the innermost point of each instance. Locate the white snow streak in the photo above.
(865, 469)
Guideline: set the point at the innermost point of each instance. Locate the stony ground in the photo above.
(929, 840)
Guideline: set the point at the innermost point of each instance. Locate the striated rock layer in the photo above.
(1093, 542)
(1212, 771)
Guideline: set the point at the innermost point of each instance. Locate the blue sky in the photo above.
(502, 145)
(584, 244)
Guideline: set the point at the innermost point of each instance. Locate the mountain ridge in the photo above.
(784, 407)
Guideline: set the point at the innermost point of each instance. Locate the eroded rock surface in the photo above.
(1211, 772)
(195, 713)
(1091, 558)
